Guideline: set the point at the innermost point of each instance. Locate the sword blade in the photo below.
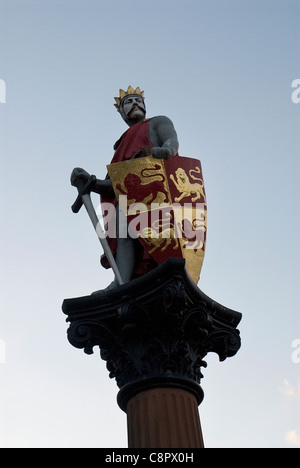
(86, 199)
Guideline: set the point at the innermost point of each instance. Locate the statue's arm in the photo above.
(163, 136)
(103, 187)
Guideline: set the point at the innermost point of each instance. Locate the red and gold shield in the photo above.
(165, 205)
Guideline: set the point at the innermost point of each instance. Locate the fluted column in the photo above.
(164, 418)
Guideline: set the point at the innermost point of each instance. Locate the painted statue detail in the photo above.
(157, 196)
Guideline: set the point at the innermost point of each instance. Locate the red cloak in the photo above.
(134, 143)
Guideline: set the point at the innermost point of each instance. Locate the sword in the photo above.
(84, 198)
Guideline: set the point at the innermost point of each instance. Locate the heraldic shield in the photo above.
(165, 205)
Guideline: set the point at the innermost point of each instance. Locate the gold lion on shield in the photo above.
(186, 187)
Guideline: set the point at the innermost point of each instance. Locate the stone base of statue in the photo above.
(153, 333)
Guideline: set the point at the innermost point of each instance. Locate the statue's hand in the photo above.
(103, 187)
(160, 153)
(79, 174)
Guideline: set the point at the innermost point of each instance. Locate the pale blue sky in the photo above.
(222, 71)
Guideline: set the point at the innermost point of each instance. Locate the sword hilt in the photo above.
(83, 189)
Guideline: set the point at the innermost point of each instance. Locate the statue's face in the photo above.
(133, 108)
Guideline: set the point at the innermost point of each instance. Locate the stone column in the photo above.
(153, 333)
(164, 418)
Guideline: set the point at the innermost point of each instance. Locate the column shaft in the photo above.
(164, 418)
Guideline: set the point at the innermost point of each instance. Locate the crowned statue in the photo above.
(163, 212)
(152, 323)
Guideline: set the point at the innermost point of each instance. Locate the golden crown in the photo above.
(123, 93)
